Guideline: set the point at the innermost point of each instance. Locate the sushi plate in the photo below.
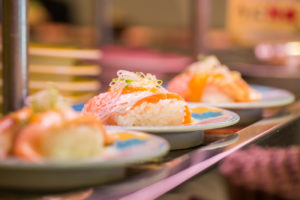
(130, 147)
(271, 97)
(203, 118)
(250, 112)
(189, 135)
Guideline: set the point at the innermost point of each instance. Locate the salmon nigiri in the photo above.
(211, 82)
(52, 136)
(137, 99)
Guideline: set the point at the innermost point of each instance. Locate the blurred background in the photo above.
(134, 23)
(79, 45)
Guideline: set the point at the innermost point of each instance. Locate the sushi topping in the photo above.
(126, 93)
(50, 99)
(208, 77)
(48, 128)
(211, 66)
(130, 81)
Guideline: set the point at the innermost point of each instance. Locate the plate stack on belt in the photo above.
(75, 72)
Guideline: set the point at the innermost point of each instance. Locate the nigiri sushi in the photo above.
(49, 129)
(51, 136)
(137, 99)
(211, 82)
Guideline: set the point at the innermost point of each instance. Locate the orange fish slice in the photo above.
(28, 142)
(102, 105)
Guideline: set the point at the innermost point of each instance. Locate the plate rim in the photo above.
(254, 105)
(235, 118)
(17, 164)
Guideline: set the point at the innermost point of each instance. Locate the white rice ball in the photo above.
(72, 143)
(165, 112)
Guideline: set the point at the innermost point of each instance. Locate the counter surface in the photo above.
(183, 174)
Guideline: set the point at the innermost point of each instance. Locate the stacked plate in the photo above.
(75, 72)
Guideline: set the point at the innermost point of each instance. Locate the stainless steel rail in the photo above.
(15, 45)
(200, 20)
(104, 22)
(156, 180)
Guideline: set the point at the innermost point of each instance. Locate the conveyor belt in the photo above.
(156, 179)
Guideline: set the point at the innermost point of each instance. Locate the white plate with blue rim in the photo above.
(189, 135)
(130, 147)
(271, 97)
(252, 111)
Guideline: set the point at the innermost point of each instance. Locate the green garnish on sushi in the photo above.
(135, 80)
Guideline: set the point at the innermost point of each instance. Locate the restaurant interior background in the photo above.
(157, 36)
(150, 36)
(152, 20)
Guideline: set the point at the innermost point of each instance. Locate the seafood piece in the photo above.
(49, 129)
(209, 81)
(10, 126)
(54, 137)
(136, 99)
